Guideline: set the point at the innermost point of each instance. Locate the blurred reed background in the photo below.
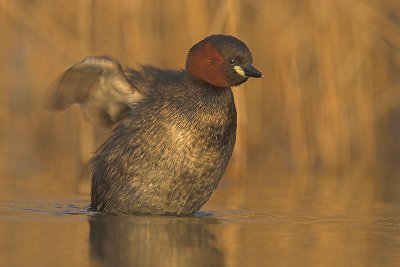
(324, 120)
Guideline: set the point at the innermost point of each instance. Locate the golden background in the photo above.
(324, 122)
(327, 108)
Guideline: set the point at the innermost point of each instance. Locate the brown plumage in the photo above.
(173, 131)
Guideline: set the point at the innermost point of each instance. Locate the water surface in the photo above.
(233, 229)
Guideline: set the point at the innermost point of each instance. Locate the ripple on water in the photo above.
(27, 208)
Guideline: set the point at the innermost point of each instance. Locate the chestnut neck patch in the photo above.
(206, 63)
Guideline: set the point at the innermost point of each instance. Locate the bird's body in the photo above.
(182, 147)
(173, 131)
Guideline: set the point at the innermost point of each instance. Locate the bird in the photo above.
(172, 131)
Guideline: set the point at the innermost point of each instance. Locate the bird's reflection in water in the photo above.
(154, 241)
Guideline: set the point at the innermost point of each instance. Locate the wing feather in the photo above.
(98, 84)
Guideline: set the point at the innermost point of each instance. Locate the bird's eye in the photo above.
(232, 61)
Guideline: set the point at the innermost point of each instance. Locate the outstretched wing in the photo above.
(98, 84)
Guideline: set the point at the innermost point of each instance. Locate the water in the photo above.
(233, 229)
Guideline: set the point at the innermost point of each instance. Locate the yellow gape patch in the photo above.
(239, 70)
